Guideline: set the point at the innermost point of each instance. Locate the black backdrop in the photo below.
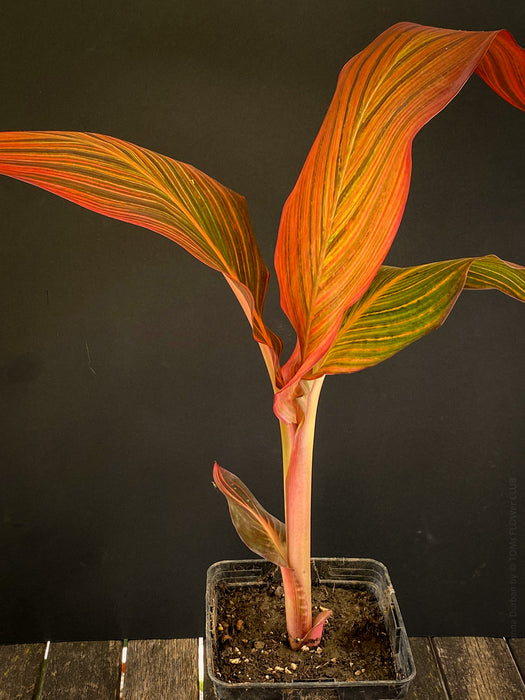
(126, 367)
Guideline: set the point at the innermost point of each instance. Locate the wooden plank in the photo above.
(162, 668)
(83, 671)
(517, 647)
(20, 666)
(478, 668)
(428, 683)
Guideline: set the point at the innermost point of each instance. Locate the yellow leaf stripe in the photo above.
(340, 220)
(404, 304)
(136, 185)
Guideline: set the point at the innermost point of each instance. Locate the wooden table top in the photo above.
(455, 668)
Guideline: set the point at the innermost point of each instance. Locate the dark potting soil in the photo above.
(252, 641)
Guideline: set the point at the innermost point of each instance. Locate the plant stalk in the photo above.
(298, 444)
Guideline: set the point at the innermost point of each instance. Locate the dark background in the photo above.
(127, 367)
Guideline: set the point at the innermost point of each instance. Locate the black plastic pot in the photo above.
(364, 574)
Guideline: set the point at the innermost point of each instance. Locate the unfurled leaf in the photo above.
(404, 304)
(261, 532)
(340, 220)
(136, 185)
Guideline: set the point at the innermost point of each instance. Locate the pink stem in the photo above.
(298, 488)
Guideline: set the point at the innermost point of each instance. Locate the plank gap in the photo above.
(441, 668)
(517, 649)
(428, 683)
(43, 667)
(123, 661)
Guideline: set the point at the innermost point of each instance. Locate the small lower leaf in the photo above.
(259, 530)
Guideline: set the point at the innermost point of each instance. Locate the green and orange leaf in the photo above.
(404, 304)
(343, 214)
(136, 185)
(259, 530)
(489, 272)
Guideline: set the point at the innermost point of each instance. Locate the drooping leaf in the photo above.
(503, 68)
(261, 532)
(136, 185)
(404, 304)
(340, 220)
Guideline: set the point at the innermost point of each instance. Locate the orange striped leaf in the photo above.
(261, 532)
(404, 304)
(136, 185)
(340, 220)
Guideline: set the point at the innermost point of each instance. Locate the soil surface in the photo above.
(252, 641)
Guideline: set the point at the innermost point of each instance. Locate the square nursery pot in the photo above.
(361, 574)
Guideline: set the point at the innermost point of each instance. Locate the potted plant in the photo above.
(348, 310)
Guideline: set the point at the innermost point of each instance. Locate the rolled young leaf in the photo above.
(313, 636)
(404, 304)
(261, 532)
(341, 218)
(133, 184)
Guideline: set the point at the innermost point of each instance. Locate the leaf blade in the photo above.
(136, 185)
(405, 304)
(341, 218)
(259, 530)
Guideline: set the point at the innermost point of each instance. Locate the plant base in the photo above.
(364, 652)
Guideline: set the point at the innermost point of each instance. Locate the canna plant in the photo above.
(349, 311)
